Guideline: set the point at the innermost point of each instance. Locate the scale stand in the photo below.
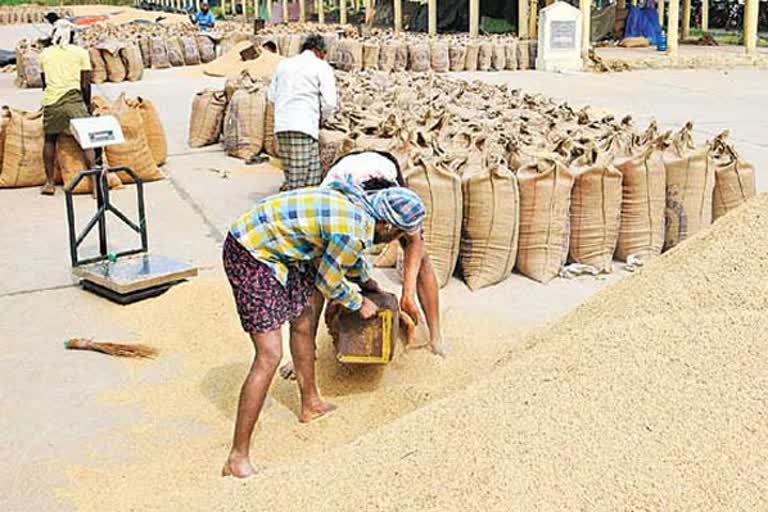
(127, 276)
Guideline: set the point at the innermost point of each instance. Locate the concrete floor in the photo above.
(49, 400)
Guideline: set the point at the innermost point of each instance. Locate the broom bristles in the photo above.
(135, 350)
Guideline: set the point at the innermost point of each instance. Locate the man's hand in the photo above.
(368, 309)
(409, 305)
(371, 286)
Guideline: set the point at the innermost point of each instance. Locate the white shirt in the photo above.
(302, 89)
(360, 167)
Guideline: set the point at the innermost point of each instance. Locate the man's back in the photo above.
(62, 66)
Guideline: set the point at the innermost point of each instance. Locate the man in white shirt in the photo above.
(303, 90)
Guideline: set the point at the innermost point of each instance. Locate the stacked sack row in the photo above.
(515, 181)
(22, 137)
(15, 14)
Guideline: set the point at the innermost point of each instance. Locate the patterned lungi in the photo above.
(56, 117)
(262, 302)
(300, 154)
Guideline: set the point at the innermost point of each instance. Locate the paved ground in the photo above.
(50, 400)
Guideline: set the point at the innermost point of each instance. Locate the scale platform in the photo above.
(133, 278)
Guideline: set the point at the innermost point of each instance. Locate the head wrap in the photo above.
(62, 32)
(397, 206)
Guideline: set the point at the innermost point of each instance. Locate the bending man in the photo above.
(282, 258)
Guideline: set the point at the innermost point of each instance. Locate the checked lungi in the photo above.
(300, 154)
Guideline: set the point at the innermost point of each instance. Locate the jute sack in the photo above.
(499, 56)
(371, 56)
(294, 44)
(244, 123)
(329, 141)
(485, 56)
(440, 58)
(510, 52)
(175, 51)
(440, 190)
(242, 81)
(690, 187)
(134, 153)
(457, 57)
(489, 232)
(159, 53)
(270, 140)
(134, 66)
(5, 116)
(545, 204)
(99, 73)
(523, 55)
(153, 128)
(734, 179)
(401, 56)
(116, 71)
(190, 50)
(595, 212)
(387, 55)
(473, 51)
(146, 52)
(418, 56)
(641, 233)
(350, 55)
(206, 48)
(30, 65)
(206, 118)
(23, 150)
(70, 161)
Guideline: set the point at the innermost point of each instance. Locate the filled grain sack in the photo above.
(734, 178)
(153, 128)
(418, 57)
(270, 140)
(457, 57)
(159, 53)
(401, 56)
(70, 161)
(28, 67)
(439, 58)
(206, 48)
(350, 55)
(23, 150)
(489, 233)
(243, 132)
(330, 141)
(595, 211)
(243, 80)
(190, 50)
(371, 56)
(294, 44)
(485, 56)
(523, 54)
(206, 117)
(387, 55)
(440, 189)
(510, 52)
(175, 51)
(146, 51)
(473, 52)
(545, 204)
(114, 65)
(134, 153)
(5, 116)
(98, 68)
(499, 56)
(641, 233)
(134, 66)
(690, 187)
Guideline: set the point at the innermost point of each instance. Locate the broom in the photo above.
(112, 349)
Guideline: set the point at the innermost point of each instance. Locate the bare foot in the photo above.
(287, 372)
(48, 189)
(315, 411)
(438, 348)
(237, 466)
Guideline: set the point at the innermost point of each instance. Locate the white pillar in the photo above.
(686, 19)
(660, 9)
(320, 11)
(343, 12)
(432, 11)
(586, 26)
(197, 5)
(398, 15)
(522, 19)
(705, 15)
(750, 25)
(474, 18)
(672, 23)
(533, 20)
(285, 11)
(302, 11)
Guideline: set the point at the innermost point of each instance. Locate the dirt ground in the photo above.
(84, 431)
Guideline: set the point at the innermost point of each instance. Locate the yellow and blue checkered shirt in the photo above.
(294, 228)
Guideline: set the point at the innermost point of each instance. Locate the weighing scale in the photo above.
(126, 276)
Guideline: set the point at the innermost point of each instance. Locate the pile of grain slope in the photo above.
(651, 396)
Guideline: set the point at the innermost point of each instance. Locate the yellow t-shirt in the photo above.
(62, 67)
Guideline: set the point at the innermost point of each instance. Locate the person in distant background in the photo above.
(204, 19)
(66, 75)
(303, 91)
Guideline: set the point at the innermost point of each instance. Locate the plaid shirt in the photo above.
(297, 227)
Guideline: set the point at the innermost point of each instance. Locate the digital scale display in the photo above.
(101, 136)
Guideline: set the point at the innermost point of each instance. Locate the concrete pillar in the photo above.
(586, 26)
(705, 15)
(398, 15)
(343, 12)
(302, 11)
(672, 24)
(320, 11)
(432, 11)
(660, 9)
(269, 10)
(368, 4)
(474, 18)
(197, 5)
(285, 11)
(533, 20)
(686, 19)
(750, 25)
(522, 19)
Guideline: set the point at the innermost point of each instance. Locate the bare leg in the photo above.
(269, 350)
(303, 332)
(429, 298)
(49, 154)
